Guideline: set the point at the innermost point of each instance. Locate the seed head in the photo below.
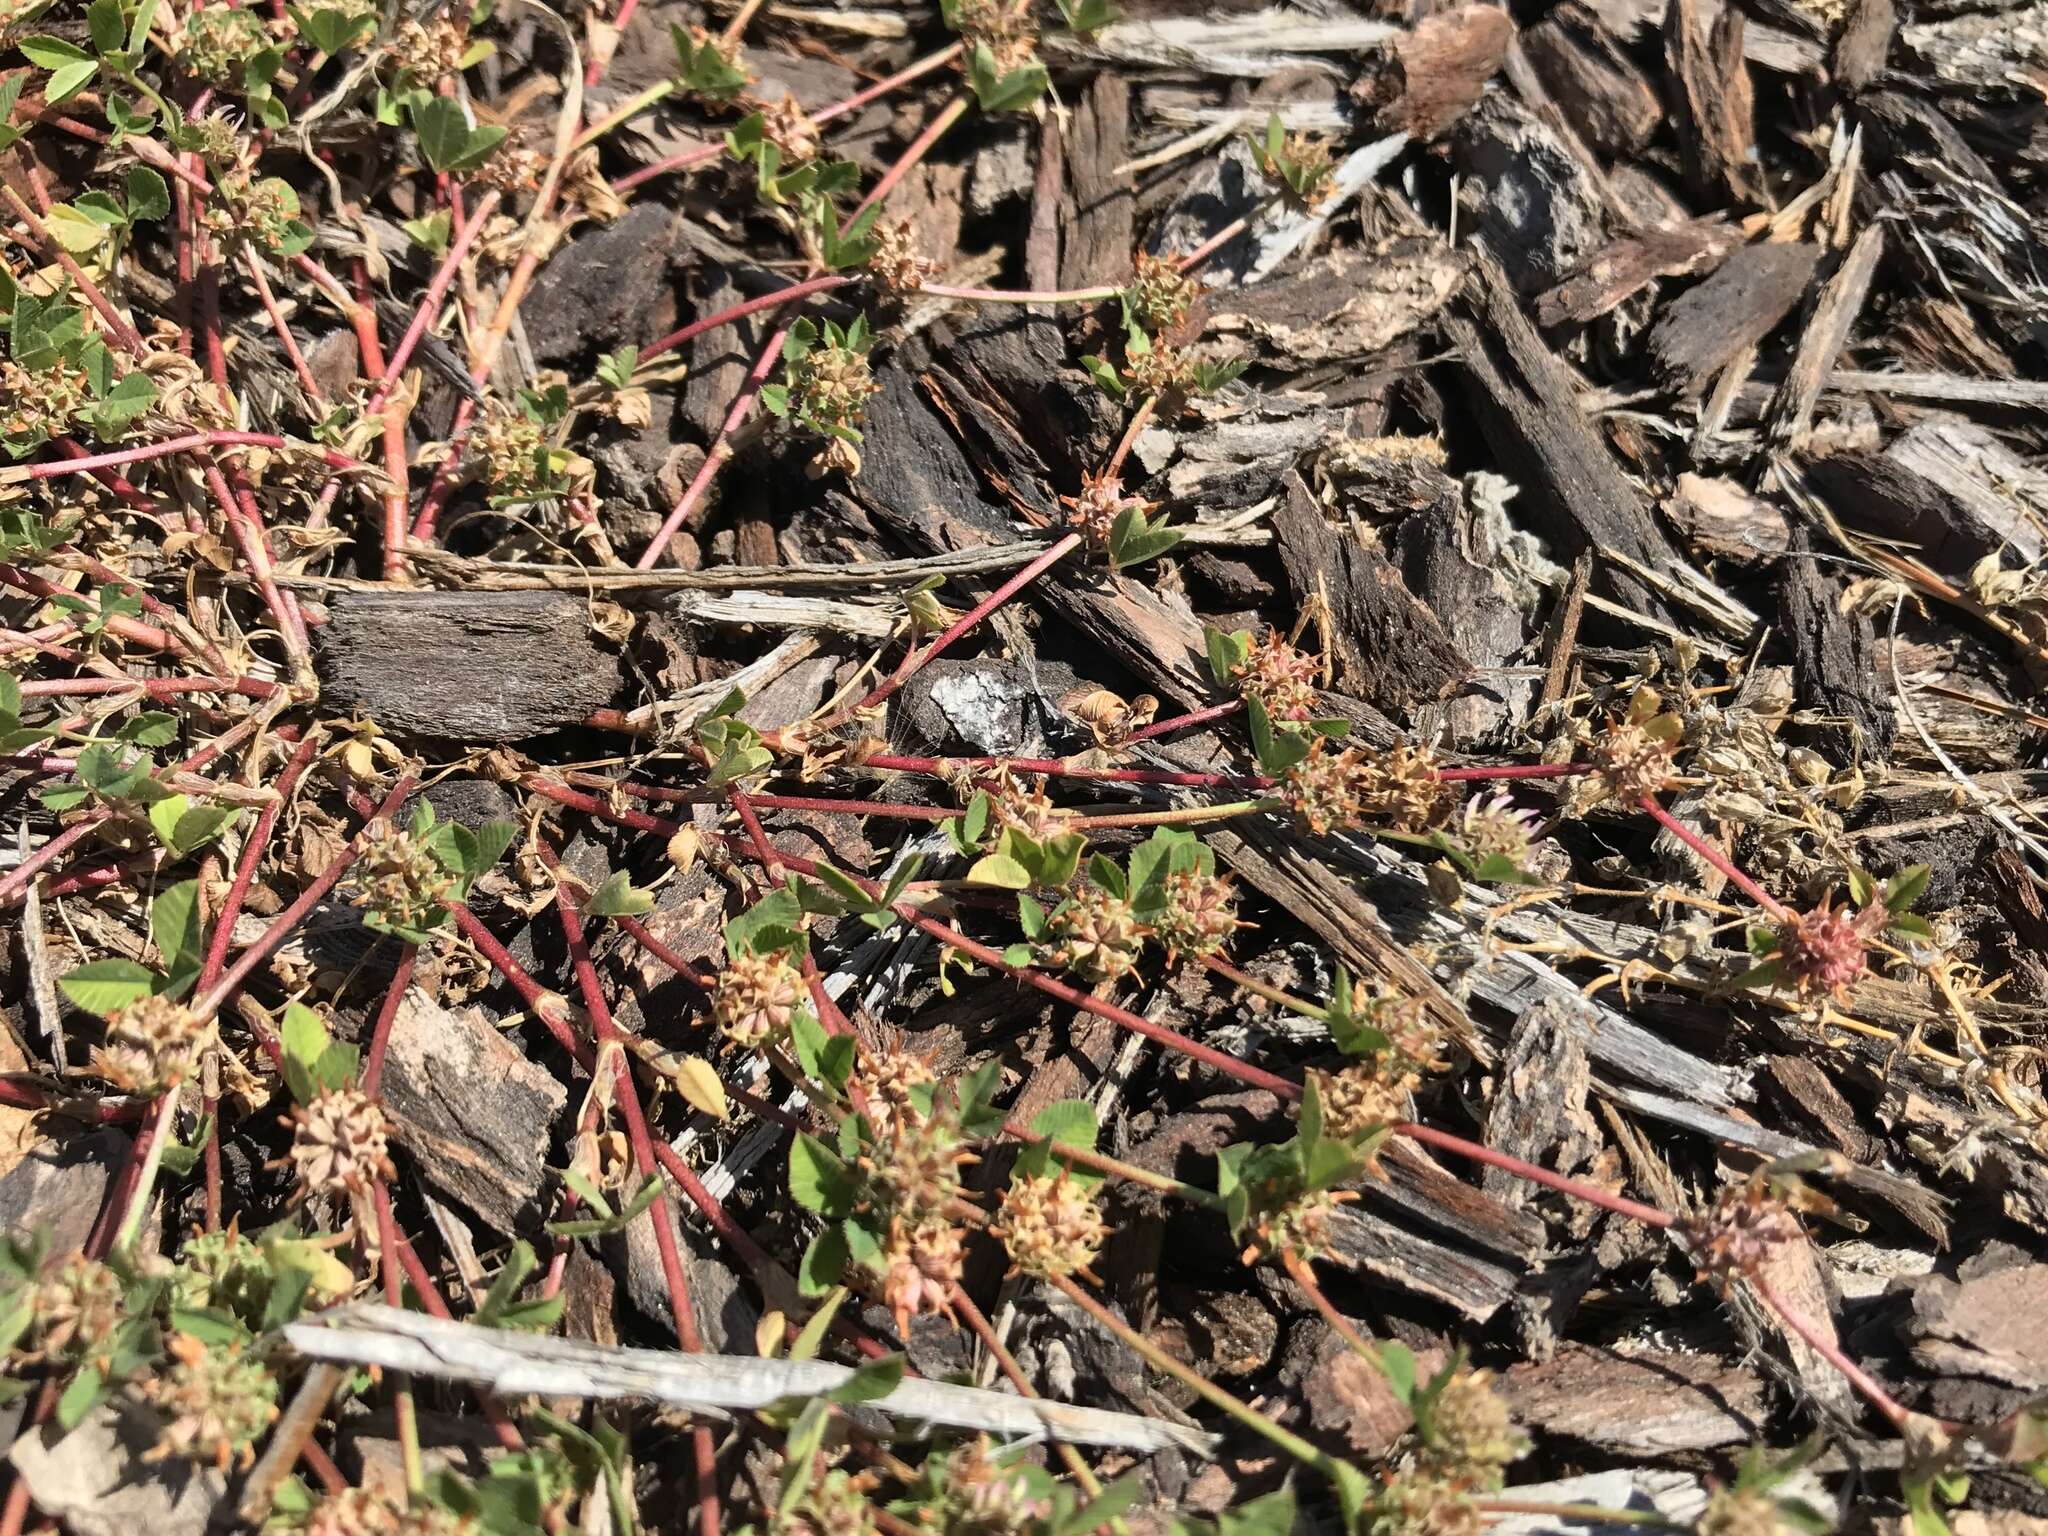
(1421, 1504)
(39, 405)
(218, 139)
(511, 169)
(913, 1161)
(1360, 1098)
(829, 386)
(835, 1504)
(1094, 512)
(984, 1496)
(430, 50)
(1161, 294)
(1494, 827)
(887, 1081)
(1824, 952)
(920, 1264)
(1299, 1225)
(1050, 1224)
(76, 1308)
(896, 265)
(1282, 678)
(222, 1271)
(1472, 1436)
(755, 996)
(1632, 758)
(1737, 1232)
(250, 210)
(1008, 28)
(365, 1512)
(220, 40)
(152, 1046)
(789, 128)
(340, 1142)
(513, 452)
(1322, 789)
(1401, 789)
(1198, 915)
(1029, 810)
(1733, 1510)
(1096, 935)
(215, 1402)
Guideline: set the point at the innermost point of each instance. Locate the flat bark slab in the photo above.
(468, 666)
(475, 1114)
(1656, 1403)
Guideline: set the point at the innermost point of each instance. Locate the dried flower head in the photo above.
(1360, 1098)
(1632, 758)
(430, 50)
(1493, 828)
(1322, 789)
(152, 1045)
(1030, 810)
(896, 265)
(251, 210)
(1472, 1437)
(755, 996)
(829, 381)
(789, 128)
(919, 1265)
(1421, 1504)
(1735, 1234)
(1401, 788)
(1096, 935)
(1299, 1225)
(399, 879)
(511, 169)
(1094, 512)
(1733, 1510)
(215, 1401)
(985, 1495)
(220, 40)
(340, 1142)
(74, 1311)
(35, 406)
(913, 1161)
(1825, 952)
(1198, 913)
(1008, 28)
(1300, 162)
(1050, 1224)
(514, 453)
(889, 1082)
(216, 137)
(834, 1503)
(1280, 676)
(223, 1271)
(1161, 295)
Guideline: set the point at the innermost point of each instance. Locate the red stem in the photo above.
(380, 1034)
(661, 1213)
(1716, 858)
(775, 300)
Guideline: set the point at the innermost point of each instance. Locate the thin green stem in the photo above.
(158, 1130)
(626, 110)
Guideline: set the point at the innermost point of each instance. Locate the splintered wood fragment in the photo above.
(1254, 44)
(1541, 209)
(1390, 650)
(1865, 43)
(1841, 301)
(522, 1364)
(1097, 208)
(470, 666)
(1715, 104)
(1647, 1403)
(1593, 81)
(1703, 330)
(1834, 656)
(1617, 271)
(1526, 403)
(1437, 72)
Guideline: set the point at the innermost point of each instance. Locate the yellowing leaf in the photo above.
(697, 1081)
(74, 231)
(768, 1334)
(684, 847)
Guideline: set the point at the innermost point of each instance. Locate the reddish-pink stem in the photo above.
(717, 453)
(1716, 858)
(775, 300)
(252, 855)
(387, 1014)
